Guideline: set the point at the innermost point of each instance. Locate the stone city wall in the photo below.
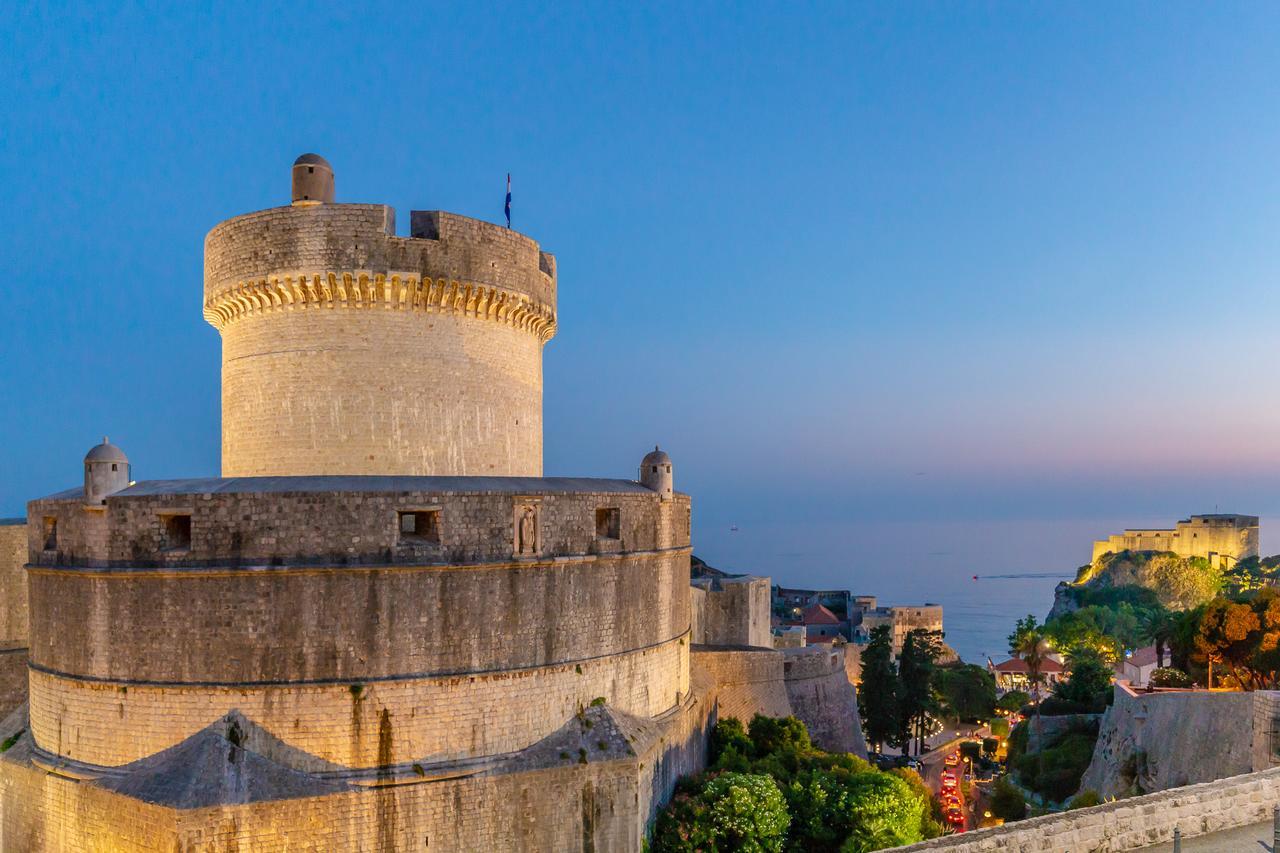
(353, 624)
(299, 526)
(733, 611)
(808, 683)
(13, 582)
(535, 803)
(1128, 824)
(358, 725)
(1167, 739)
(347, 350)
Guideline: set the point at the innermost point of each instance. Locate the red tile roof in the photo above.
(816, 614)
(1143, 657)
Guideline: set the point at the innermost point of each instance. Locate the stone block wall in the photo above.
(13, 582)
(343, 521)
(733, 611)
(324, 726)
(1156, 741)
(1128, 824)
(604, 804)
(348, 350)
(808, 683)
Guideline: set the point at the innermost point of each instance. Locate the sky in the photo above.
(889, 281)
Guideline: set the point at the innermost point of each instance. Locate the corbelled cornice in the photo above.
(392, 292)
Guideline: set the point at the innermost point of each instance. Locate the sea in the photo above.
(985, 574)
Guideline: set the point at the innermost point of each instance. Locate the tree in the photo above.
(1157, 628)
(915, 692)
(1007, 802)
(968, 691)
(1013, 701)
(878, 692)
(1090, 681)
(747, 812)
(1028, 642)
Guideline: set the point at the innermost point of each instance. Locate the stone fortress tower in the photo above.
(381, 628)
(349, 350)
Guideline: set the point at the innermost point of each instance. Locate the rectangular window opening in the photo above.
(177, 532)
(420, 526)
(50, 533)
(608, 522)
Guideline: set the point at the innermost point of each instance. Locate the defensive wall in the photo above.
(302, 605)
(731, 610)
(1170, 738)
(809, 683)
(1234, 537)
(13, 614)
(1128, 824)
(593, 785)
(349, 350)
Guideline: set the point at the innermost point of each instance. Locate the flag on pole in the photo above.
(508, 208)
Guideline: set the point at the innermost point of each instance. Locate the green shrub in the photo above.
(1055, 772)
(1007, 802)
(1084, 800)
(1169, 677)
(1013, 700)
(747, 812)
(729, 734)
(999, 727)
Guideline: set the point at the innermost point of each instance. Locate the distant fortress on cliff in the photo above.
(1222, 539)
(382, 628)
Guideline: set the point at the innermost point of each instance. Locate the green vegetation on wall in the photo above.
(769, 789)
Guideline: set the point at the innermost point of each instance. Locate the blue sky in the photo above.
(944, 261)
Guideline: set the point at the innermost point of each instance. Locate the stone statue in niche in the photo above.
(527, 531)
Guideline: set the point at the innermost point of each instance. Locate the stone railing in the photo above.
(1129, 824)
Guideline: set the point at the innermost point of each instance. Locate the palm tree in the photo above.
(1033, 647)
(1158, 627)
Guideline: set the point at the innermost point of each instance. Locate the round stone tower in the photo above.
(655, 472)
(349, 350)
(106, 471)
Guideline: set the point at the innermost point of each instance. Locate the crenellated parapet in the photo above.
(347, 255)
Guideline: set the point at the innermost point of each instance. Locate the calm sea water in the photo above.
(918, 562)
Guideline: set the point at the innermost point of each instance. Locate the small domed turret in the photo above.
(655, 472)
(312, 180)
(106, 471)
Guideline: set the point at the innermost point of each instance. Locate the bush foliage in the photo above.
(769, 789)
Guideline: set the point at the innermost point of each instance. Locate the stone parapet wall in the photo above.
(281, 240)
(1167, 739)
(1128, 824)
(734, 611)
(13, 582)
(810, 684)
(302, 524)
(357, 725)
